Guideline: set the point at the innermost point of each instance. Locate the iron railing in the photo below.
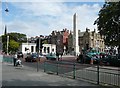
(92, 73)
(8, 59)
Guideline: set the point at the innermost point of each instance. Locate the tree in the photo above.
(13, 46)
(45, 41)
(108, 23)
(17, 38)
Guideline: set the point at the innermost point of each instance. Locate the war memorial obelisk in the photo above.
(75, 35)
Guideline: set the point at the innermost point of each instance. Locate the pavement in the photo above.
(26, 76)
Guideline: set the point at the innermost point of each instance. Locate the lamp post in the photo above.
(7, 43)
(39, 51)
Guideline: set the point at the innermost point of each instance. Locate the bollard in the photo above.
(74, 71)
(37, 64)
(44, 66)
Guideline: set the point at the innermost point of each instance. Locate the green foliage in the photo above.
(45, 42)
(108, 23)
(4, 41)
(18, 37)
(14, 38)
(13, 46)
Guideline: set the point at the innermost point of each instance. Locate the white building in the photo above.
(31, 48)
(28, 48)
(49, 48)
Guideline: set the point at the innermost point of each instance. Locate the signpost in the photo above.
(39, 50)
(38, 55)
(59, 47)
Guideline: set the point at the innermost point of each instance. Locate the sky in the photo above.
(41, 18)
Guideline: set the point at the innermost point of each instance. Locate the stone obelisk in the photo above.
(75, 35)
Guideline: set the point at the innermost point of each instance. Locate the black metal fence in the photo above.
(92, 73)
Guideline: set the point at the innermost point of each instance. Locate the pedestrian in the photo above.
(80, 57)
(14, 59)
(61, 56)
(92, 59)
(57, 54)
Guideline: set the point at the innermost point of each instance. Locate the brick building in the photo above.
(92, 40)
(60, 38)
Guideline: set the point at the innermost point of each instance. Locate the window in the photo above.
(48, 49)
(32, 48)
(44, 49)
(52, 50)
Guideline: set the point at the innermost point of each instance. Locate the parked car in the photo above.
(19, 54)
(105, 59)
(51, 56)
(115, 61)
(88, 57)
(31, 57)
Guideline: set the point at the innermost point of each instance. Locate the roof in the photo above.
(81, 34)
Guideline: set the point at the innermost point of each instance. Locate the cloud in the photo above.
(40, 8)
(42, 18)
(57, 0)
(87, 14)
(29, 28)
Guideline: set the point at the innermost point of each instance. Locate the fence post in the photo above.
(57, 68)
(74, 71)
(118, 79)
(98, 74)
(44, 67)
(37, 64)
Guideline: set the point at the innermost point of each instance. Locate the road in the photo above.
(65, 65)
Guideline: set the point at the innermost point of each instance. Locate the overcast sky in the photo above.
(36, 18)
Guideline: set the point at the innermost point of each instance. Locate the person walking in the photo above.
(80, 58)
(14, 59)
(57, 54)
(92, 59)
